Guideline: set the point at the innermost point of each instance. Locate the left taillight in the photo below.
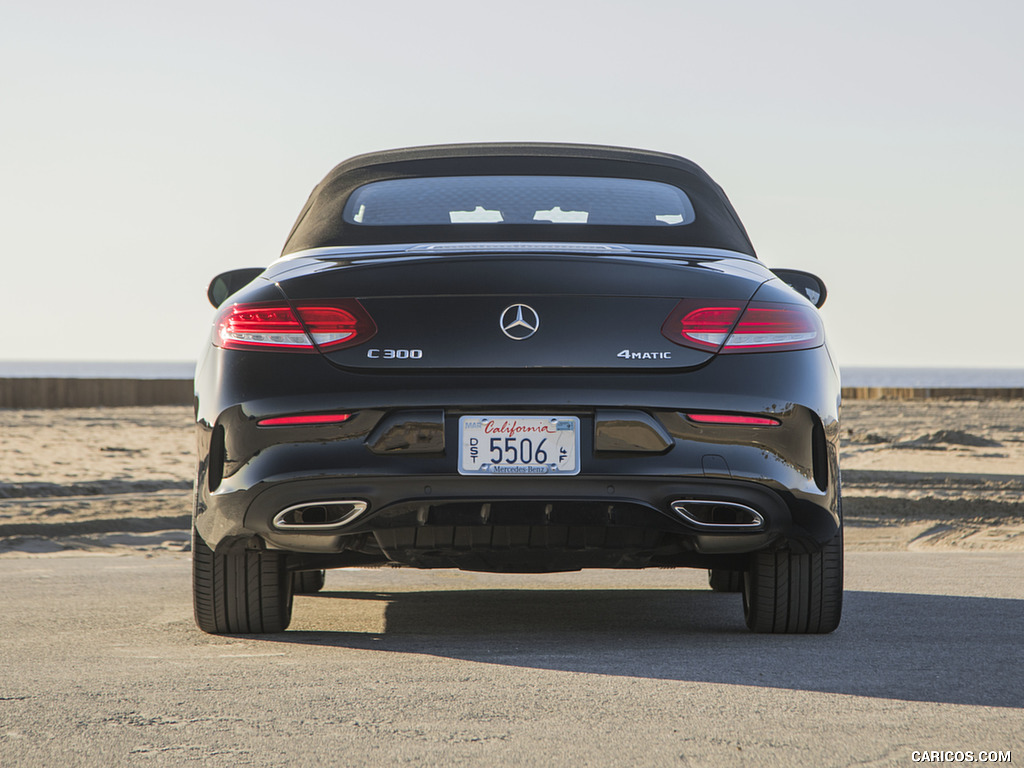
(278, 327)
(731, 328)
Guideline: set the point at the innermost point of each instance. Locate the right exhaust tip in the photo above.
(718, 515)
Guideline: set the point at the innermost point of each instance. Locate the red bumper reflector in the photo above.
(315, 418)
(733, 418)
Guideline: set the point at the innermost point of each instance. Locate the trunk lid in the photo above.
(520, 311)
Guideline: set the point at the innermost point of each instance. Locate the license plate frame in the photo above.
(501, 441)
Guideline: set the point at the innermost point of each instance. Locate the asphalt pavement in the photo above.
(101, 665)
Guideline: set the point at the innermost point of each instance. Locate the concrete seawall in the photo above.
(86, 393)
(933, 393)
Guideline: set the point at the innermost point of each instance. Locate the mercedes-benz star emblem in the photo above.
(520, 321)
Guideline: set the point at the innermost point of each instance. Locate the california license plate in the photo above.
(519, 445)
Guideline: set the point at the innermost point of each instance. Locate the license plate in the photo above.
(519, 445)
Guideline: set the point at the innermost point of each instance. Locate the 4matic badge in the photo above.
(627, 354)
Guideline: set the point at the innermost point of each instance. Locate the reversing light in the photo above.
(304, 420)
(733, 418)
(774, 326)
(731, 327)
(277, 327)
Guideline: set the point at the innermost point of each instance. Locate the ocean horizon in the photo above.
(852, 376)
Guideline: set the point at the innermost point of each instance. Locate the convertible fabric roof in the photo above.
(320, 223)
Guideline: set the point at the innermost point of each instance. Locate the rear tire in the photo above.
(307, 582)
(789, 593)
(722, 580)
(240, 592)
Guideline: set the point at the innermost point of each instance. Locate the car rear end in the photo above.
(516, 405)
(618, 433)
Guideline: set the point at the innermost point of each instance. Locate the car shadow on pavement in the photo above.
(958, 650)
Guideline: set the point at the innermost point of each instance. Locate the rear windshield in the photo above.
(518, 200)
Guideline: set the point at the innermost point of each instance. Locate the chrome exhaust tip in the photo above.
(319, 516)
(718, 515)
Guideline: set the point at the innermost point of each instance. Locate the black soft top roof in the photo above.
(320, 224)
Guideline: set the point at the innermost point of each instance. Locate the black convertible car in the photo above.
(517, 358)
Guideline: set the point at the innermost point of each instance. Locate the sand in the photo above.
(922, 474)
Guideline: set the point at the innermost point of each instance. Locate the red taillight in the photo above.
(305, 420)
(728, 328)
(707, 326)
(276, 327)
(736, 419)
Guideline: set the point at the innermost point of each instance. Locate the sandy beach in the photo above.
(923, 474)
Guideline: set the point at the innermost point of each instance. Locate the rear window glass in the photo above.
(518, 200)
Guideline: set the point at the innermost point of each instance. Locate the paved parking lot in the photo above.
(103, 666)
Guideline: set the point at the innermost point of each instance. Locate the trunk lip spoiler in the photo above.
(362, 252)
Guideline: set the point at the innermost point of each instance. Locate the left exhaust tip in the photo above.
(320, 515)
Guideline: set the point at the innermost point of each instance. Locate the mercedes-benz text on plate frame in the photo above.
(519, 445)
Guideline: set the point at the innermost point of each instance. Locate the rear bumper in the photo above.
(470, 509)
(509, 524)
(402, 463)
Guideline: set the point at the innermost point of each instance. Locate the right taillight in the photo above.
(735, 327)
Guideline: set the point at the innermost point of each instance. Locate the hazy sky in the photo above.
(145, 147)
